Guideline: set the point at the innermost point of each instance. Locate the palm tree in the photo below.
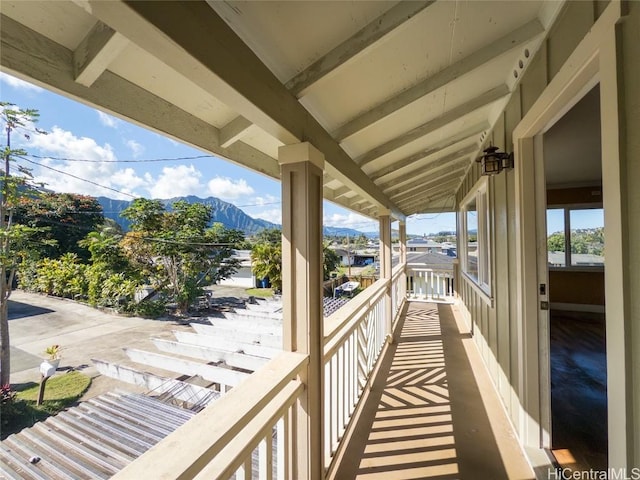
(266, 262)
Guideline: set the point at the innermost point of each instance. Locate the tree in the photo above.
(266, 262)
(68, 218)
(177, 250)
(555, 242)
(14, 238)
(330, 263)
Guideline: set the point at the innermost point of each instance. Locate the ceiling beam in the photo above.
(448, 161)
(424, 205)
(433, 189)
(340, 192)
(467, 65)
(422, 185)
(446, 118)
(234, 131)
(367, 36)
(434, 149)
(211, 55)
(96, 52)
(29, 55)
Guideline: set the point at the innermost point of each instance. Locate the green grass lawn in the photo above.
(61, 391)
(260, 292)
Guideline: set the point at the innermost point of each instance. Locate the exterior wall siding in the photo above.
(495, 326)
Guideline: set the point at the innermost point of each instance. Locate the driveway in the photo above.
(37, 321)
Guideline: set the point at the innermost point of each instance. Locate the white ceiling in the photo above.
(572, 146)
(397, 95)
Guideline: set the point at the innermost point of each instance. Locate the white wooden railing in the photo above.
(246, 434)
(233, 437)
(398, 290)
(355, 335)
(432, 284)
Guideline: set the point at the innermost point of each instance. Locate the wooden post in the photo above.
(385, 267)
(301, 174)
(43, 382)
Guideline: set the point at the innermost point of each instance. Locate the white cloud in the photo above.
(107, 120)
(66, 176)
(266, 200)
(273, 215)
(135, 147)
(350, 220)
(176, 182)
(229, 189)
(19, 84)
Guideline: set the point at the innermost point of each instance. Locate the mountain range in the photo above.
(223, 212)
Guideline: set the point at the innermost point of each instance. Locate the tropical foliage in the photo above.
(177, 250)
(15, 239)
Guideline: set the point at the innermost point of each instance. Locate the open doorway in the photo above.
(576, 281)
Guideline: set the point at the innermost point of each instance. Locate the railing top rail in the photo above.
(213, 428)
(341, 317)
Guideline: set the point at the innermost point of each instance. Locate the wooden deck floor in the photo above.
(432, 412)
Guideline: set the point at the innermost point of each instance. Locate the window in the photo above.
(575, 237)
(475, 237)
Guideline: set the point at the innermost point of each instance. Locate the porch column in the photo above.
(385, 266)
(301, 175)
(403, 258)
(403, 242)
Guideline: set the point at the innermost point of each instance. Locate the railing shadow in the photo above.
(424, 417)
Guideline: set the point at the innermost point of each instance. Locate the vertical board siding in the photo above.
(574, 22)
(495, 328)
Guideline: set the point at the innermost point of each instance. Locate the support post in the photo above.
(301, 174)
(403, 256)
(385, 268)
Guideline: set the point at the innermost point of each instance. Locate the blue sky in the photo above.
(119, 166)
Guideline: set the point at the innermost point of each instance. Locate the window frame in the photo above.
(483, 283)
(568, 208)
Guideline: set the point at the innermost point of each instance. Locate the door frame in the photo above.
(595, 60)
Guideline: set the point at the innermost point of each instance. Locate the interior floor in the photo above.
(579, 390)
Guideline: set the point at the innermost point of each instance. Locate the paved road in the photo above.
(37, 321)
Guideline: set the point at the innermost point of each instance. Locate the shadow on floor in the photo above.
(425, 417)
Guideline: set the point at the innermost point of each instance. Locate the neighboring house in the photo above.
(244, 277)
(423, 245)
(429, 275)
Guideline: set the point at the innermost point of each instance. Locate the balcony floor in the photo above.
(432, 411)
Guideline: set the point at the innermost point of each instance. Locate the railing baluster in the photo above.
(265, 458)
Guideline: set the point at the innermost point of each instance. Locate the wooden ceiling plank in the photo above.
(467, 65)
(367, 36)
(461, 137)
(451, 161)
(421, 184)
(434, 188)
(446, 118)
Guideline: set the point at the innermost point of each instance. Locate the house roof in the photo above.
(398, 96)
(429, 259)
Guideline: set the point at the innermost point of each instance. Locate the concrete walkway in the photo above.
(432, 411)
(37, 321)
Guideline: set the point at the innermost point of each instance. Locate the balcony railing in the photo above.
(432, 284)
(247, 435)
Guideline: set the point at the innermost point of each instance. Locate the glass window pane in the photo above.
(556, 237)
(587, 237)
(472, 239)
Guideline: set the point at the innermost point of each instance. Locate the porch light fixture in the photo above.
(493, 161)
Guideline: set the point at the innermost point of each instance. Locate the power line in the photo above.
(147, 160)
(75, 176)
